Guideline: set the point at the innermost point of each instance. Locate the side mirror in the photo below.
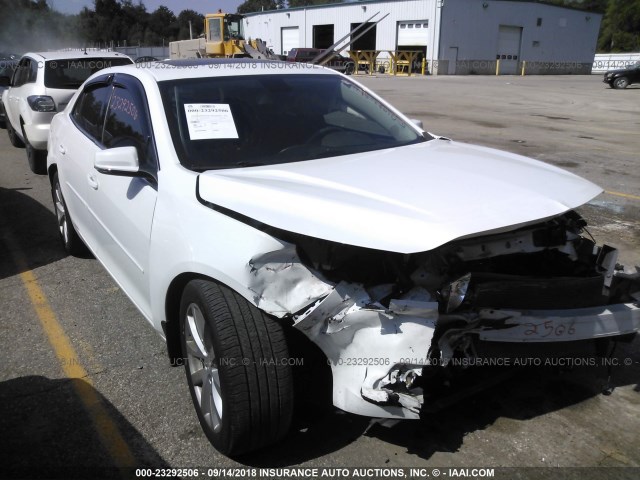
(118, 161)
(5, 81)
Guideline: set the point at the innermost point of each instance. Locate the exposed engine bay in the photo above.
(385, 319)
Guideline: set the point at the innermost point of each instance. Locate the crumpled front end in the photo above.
(386, 321)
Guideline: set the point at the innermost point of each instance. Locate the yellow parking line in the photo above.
(625, 195)
(105, 426)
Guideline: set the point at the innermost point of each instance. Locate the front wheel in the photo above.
(237, 367)
(620, 83)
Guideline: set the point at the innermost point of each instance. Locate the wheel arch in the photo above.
(171, 325)
(51, 171)
(22, 124)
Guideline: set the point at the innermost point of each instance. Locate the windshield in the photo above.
(232, 28)
(228, 122)
(71, 73)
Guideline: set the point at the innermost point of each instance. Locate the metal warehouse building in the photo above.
(455, 36)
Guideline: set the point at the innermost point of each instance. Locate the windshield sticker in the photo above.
(209, 121)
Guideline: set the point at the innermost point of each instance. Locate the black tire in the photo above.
(70, 239)
(37, 158)
(13, 137)
(3, 123)
(349, 68)
(621, 83)
(243, 368)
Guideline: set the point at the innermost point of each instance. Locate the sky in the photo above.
(201, 6)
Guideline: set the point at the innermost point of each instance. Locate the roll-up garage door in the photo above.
(412, 32)
(290, 39)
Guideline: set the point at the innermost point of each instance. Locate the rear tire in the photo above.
(13, 136)
(349, 69)
(37, 158)
(3, 123)
(236, 361)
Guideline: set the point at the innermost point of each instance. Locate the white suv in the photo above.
(41, 86)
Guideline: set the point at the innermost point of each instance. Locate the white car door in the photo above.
(123, 205)
(74, 140)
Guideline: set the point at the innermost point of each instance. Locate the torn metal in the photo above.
(384, 319)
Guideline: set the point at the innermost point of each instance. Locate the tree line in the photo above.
(32, 24)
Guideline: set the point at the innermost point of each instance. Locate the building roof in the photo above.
(366, 2)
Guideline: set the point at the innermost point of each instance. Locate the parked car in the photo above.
(251, 236)
(306, 55)
(146, 59)
(623, 77)
(7, 67)
(40, 86)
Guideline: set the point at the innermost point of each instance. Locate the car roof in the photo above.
(218, 67)
(66, 54)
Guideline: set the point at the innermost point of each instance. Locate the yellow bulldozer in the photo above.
(223, 38)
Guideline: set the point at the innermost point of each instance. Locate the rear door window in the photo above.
(22, 73)
(89, 111)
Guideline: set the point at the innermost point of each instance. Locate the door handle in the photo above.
(61, 149)
(93, 182)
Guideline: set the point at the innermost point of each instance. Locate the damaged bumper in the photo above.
(560, 325)
(397, 320)
(377, 355)
(365, 345)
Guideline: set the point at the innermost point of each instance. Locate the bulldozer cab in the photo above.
(222, 27)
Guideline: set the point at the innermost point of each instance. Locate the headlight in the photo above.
(41, 103)
(454, 293)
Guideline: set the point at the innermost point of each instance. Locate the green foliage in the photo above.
(590, 5)
(258, 5)
(197, 24)
(32, 25)
(620, 30)
(121, 22)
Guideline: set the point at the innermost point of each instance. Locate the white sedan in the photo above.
(252, 209)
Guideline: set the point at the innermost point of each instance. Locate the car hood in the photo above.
(407, 199)
(616, 72)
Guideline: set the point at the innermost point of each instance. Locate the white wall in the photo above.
(267, 25)
(613, 61)
(566, 40)
(565, 36)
